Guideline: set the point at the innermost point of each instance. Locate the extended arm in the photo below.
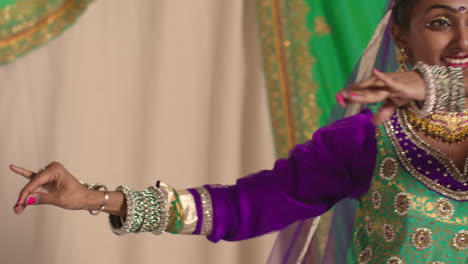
(337, 163)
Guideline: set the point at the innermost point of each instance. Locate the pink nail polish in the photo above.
(31, 200)
(353, 95)
(340, 99)
(377, 70)
(16, 206)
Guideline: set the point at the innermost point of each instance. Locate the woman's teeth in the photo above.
(456, 61)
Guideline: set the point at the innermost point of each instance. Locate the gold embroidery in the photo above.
(376, 199)
(388, 232)
(460, 241)
(394, 260)
(458, 195)
(34, 30)
(388, 168)
(321, 26)
(288, 65)
(422, 238)
(369, 226)
(446, 127)
(365, 256)
(402, 203)
(444, 209)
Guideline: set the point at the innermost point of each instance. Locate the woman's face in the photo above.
(438, 33)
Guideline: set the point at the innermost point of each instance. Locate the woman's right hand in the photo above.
(396, 89)
(53, 185)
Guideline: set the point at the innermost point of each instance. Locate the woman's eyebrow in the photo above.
(449, 8)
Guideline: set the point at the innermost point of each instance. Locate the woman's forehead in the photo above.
(456, 4)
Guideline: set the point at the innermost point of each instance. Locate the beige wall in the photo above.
(134, 92)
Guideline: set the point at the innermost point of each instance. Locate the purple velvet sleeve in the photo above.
(337, 163)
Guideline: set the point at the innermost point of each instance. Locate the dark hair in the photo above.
(402, 12)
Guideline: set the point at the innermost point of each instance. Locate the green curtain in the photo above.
(27, 24)
(309, 49)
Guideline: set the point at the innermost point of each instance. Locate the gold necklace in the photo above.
(449, 127)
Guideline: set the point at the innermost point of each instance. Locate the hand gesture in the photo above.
(53, 185)
(396, 89)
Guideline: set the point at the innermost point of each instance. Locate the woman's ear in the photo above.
(400, 36)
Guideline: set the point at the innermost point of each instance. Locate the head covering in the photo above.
(300, 242)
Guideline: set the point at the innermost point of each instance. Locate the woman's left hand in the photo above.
(396, 89)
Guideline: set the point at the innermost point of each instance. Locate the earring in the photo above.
(403, 60)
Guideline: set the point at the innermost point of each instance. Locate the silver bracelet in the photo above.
(97, 187)
(207, 208)
(445, 89)
(431, 87)
(104, 203)
(123, 225)
(147, 211)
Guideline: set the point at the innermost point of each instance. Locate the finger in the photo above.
(33, 185)
(340, 99)
(366, 96)
(36, 198)
(388, 81)
(384, 113)
(370, 83)
(21, 171)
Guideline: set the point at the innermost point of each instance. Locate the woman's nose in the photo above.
(461, 38)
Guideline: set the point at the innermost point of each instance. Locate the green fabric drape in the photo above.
(27, 24)
(309, 49)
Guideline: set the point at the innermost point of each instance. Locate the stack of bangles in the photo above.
(445, 89)
(159, 209)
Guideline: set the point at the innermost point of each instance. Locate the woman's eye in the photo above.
(439, 24)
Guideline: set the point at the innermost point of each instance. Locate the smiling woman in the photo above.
(404, 164)
(437, 32)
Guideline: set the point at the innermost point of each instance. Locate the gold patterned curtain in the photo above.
(27, 24)
(309, 48)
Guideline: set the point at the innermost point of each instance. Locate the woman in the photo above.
(406, 164)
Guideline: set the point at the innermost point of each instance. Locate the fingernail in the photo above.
(340, 99)
(18, 200)
(31, 200)
(353, 95)
(16, 206)
(377, 70)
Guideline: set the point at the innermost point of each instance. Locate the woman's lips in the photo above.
(456, 61)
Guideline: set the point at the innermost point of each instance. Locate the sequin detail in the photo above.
(365, 256)
(422, 238)
(388, 233)
(460, 241)
(207, 207)
(444, 209)
(394, 260)
(453, 182)
(369, 226)
(402, 203)
(388, 168)
(376, 199)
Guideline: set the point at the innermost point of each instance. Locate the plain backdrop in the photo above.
(134, 92)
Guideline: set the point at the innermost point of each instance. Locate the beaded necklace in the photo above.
(428, 165)
(443, 126)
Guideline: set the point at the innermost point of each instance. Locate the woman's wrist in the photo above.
(116, 204)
